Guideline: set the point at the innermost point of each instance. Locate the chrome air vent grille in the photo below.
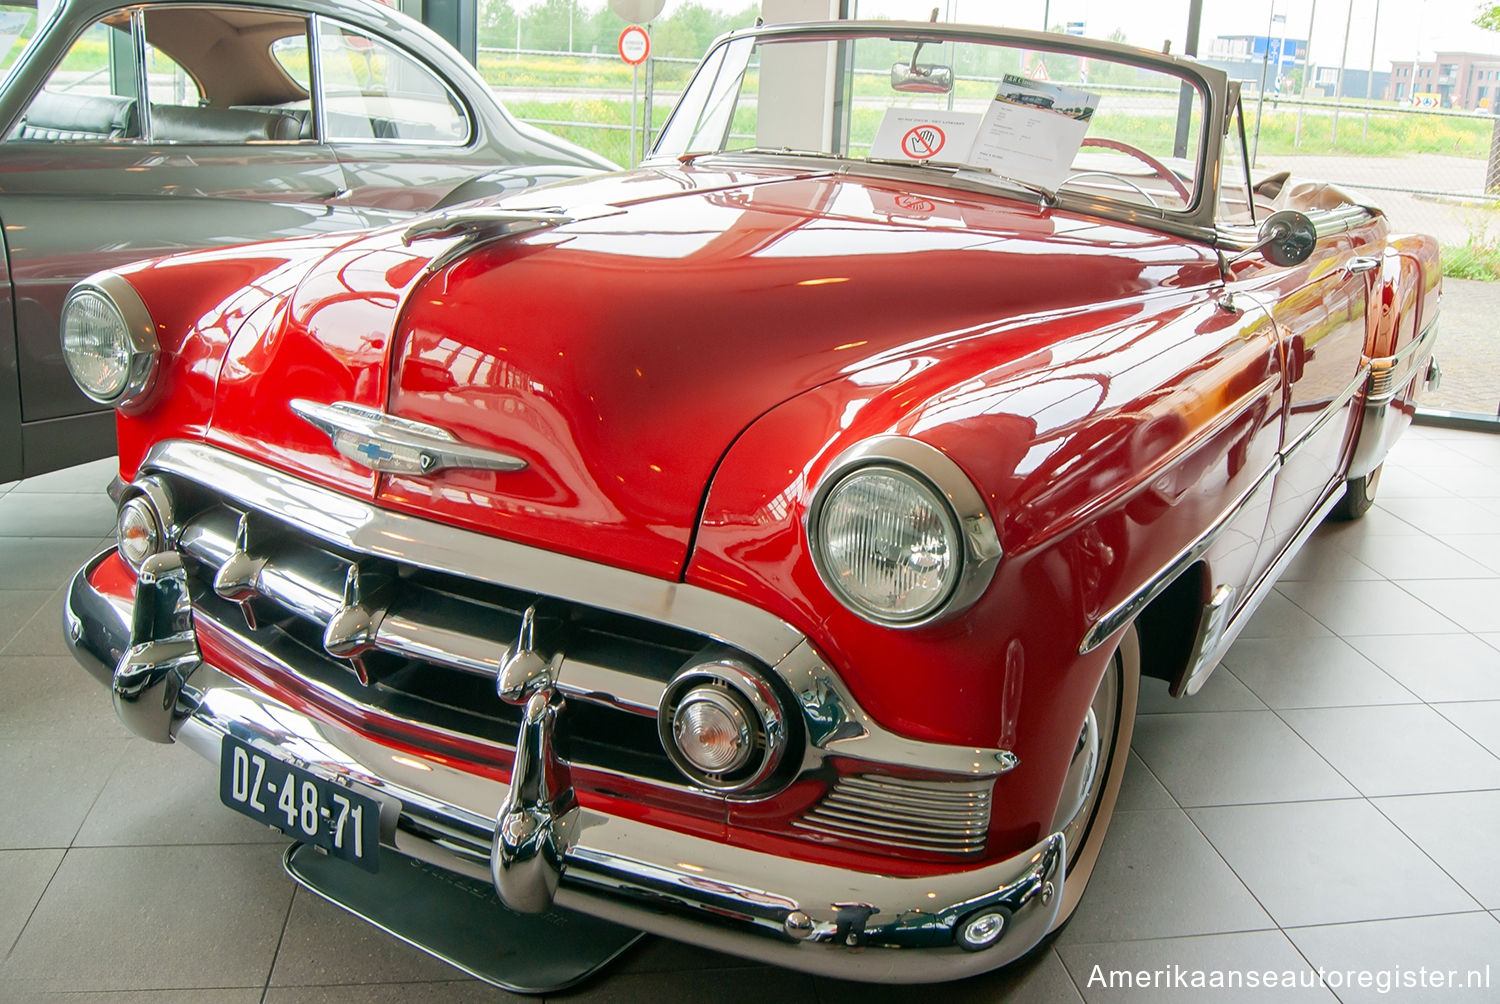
(944, 817)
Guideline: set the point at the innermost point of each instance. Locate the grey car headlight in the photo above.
(109, 340)
(900, 535)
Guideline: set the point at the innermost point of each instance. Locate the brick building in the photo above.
(1468, 80)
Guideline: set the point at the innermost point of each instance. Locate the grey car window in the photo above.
(374, 91)
(90, 96)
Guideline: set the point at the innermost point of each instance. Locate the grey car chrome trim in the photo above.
(359, 525)
(393, 445)
(836, 723)
(979, 540)
(758, 905)
(144, 348)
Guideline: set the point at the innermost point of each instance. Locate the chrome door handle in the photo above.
(1354, 266)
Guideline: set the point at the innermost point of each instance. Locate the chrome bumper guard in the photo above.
(539, 846)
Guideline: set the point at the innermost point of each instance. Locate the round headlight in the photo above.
(900, 535)
(108, 339)
(138, 532)
(889, 545)
(96, 344)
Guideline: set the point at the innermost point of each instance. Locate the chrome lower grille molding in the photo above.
(939, 817)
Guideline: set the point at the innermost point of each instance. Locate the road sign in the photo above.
(635, 45)
(637, 11)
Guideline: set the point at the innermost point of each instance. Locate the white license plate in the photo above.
(300, 804)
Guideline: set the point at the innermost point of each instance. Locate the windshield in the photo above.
(18, 29)
(1068, 120)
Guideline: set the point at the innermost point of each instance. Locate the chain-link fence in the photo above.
(586, 97)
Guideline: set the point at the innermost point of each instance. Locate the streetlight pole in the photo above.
(1370, 80)
(1338, 88)
(1306, 74)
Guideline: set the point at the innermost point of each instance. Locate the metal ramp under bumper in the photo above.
(463, 922)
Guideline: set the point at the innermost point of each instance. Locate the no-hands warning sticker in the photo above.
(923, 142)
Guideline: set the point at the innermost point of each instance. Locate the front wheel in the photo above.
(1098, 766)
(1359, 495)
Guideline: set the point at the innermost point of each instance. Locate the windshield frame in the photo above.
(1212, 85)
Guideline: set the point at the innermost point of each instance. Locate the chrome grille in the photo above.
(435, 641)
(944, 817)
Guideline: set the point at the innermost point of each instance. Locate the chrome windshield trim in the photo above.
(361, 526)
(1211, 84)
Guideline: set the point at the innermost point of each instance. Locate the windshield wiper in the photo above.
(979, 175)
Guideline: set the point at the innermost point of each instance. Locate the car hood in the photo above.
(621, 354)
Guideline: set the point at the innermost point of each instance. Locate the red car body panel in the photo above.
(1109, 416)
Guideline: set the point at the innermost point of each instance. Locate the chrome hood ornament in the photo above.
(394, 445)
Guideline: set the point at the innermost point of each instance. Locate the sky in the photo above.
(1405, 27)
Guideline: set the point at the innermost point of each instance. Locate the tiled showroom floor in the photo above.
(1331, 799)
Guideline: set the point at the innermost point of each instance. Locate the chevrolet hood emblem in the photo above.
(393, 445)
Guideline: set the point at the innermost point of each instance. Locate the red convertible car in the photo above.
(761, 547)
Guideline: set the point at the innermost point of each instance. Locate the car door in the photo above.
(162, 128)
(1321, 309)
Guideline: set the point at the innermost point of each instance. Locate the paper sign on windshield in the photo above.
(1032, 131)
(918, 134)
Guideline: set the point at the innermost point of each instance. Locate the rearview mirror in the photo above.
(921, 78)
(1286, 238)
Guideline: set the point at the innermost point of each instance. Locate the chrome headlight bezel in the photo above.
(977, 551)
(138, 337)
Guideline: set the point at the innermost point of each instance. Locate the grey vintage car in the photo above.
(135, 130)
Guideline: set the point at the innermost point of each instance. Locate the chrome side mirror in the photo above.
(921, 78)
(1286, 238)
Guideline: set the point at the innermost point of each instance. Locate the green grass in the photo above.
(1478, 258)
(1387, 135)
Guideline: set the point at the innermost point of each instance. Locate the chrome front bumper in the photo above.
(817, 918)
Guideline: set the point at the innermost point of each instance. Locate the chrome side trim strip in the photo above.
(1127, 611)
(1381, 424)
(1209, 660)
(1388, 374)
(358, 525)
(1329, 412)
